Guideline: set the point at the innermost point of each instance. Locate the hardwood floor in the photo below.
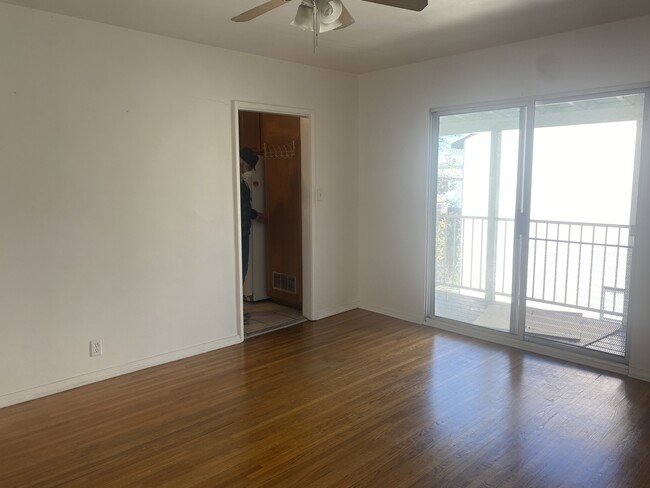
(355, 400)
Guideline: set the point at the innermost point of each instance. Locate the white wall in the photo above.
(117, 211)
(393, 151)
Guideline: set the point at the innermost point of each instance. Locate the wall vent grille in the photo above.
(284, 282)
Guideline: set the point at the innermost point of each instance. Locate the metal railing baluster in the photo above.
(579, 266)
(471, 258)
(532, 293)
(618, 255)
(602, 283)
(480, 240)
(591, 263)
(545, 258)
(562, 262)
(568, 260)
(557, 252)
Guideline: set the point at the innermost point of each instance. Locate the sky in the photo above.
(581, 173)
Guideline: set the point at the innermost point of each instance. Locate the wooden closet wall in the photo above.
(277, 138)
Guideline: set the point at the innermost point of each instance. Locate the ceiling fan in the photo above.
(323, 15)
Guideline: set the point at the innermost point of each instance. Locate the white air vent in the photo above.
(284, 282)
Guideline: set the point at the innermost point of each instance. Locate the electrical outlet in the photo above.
(96, 348)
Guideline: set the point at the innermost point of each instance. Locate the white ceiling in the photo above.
(382, 36)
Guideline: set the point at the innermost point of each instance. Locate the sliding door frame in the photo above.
(517, 337)
(519, 244)
(522, 220)
(639, 157)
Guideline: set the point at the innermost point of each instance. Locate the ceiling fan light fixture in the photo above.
(304, 17)
(329, 10)
(327, 13)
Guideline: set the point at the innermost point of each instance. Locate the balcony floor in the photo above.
(567, 327)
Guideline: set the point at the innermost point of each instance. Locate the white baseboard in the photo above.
(104, 374)
(393, 313)
(639, 374)
(328, 312)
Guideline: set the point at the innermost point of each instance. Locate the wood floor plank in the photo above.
(354, 400)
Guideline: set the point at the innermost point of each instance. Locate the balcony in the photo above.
(577, 272)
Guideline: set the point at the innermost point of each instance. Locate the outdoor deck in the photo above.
(576, 287)
(566, 327)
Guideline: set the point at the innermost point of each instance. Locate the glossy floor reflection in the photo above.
(354, 400)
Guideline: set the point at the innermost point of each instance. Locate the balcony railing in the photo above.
(583, 266)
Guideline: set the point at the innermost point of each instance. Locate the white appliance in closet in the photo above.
(255, 283)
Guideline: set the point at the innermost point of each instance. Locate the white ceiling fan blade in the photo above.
(416, 5)
(345, 18)
(259, 10)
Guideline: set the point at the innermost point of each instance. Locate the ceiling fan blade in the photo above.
(416, 5)
(259, 10)
(346, 19)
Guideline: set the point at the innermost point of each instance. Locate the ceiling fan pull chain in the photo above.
(316, 24)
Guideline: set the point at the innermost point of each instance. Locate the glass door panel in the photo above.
(585, 156)
(478, 157)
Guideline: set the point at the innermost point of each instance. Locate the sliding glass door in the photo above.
(535, 208)
(476, 187)
(586, 155)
